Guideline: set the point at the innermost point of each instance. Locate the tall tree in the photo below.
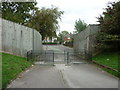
(80, 25)
(64, 33)
(61, 35)
(110, 26)
(19, 12)
(45, 21)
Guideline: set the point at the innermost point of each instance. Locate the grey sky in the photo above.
(86, 10)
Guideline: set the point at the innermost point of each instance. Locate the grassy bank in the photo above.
(0, 71)
(109, 59)
(11, 66)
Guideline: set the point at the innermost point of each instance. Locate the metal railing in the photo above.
(51, 57)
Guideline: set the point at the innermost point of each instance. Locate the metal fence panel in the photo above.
(49, 57)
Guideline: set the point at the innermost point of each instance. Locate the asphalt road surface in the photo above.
(77, 75)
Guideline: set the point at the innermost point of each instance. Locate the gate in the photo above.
(79, 56)
(41, 57)
(60, 57)
(50, 57)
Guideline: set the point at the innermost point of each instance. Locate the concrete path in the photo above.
(88, 76)
(40, 77)
(62, 76)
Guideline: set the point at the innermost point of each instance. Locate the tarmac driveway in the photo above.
(62, 76)
(40, 77)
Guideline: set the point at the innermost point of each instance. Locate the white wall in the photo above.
(18, 39)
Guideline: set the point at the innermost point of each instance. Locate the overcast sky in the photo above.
(86, 10)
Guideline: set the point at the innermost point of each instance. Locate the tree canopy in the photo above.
(110, 25)
(46, 21)
(80, 25)
(18, 12)
(61, 35)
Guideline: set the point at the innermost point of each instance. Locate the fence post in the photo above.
(67, 57)
(27, 56)
(53, 58)
(64, 56)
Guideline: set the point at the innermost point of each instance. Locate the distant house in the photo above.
(67, 38)
(47, 39)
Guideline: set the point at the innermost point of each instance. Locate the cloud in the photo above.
(86, 10)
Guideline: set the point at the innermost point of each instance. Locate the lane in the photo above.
(84, 75)
(62, 76)
(59, 52)
(40, 77)
(88, 76)
(57, 48)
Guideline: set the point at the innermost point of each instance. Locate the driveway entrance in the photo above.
(50, 57)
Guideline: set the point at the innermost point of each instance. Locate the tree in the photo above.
(45, 21)
(80, 25)
(18, 12)
(61, 35)
(109, 35)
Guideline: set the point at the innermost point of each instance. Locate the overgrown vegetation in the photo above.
(109, 36)
(11, 66)
(18, 12)
(109, 59)
(50, 43)
(0, 71)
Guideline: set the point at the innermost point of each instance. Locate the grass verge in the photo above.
(11, 66)
(0, 71)
(109, 59)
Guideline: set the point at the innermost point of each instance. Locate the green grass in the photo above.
(112, 72)
(109, 59)
(0, 71)
(50, 43)
(11, 66)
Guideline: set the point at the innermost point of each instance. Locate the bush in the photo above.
(109, 36)
(49, 43)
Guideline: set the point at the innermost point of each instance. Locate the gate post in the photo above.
(53, 58)
(67, 57)
(27, 56)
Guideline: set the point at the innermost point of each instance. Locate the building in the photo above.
(67, 38)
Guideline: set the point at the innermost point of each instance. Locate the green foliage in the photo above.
(45, 21)
(0, 71)
(18, 12)
(80, 25)
(110, 26)
(50, 43)
(109, 59)
(61, 35)
(11, 66)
